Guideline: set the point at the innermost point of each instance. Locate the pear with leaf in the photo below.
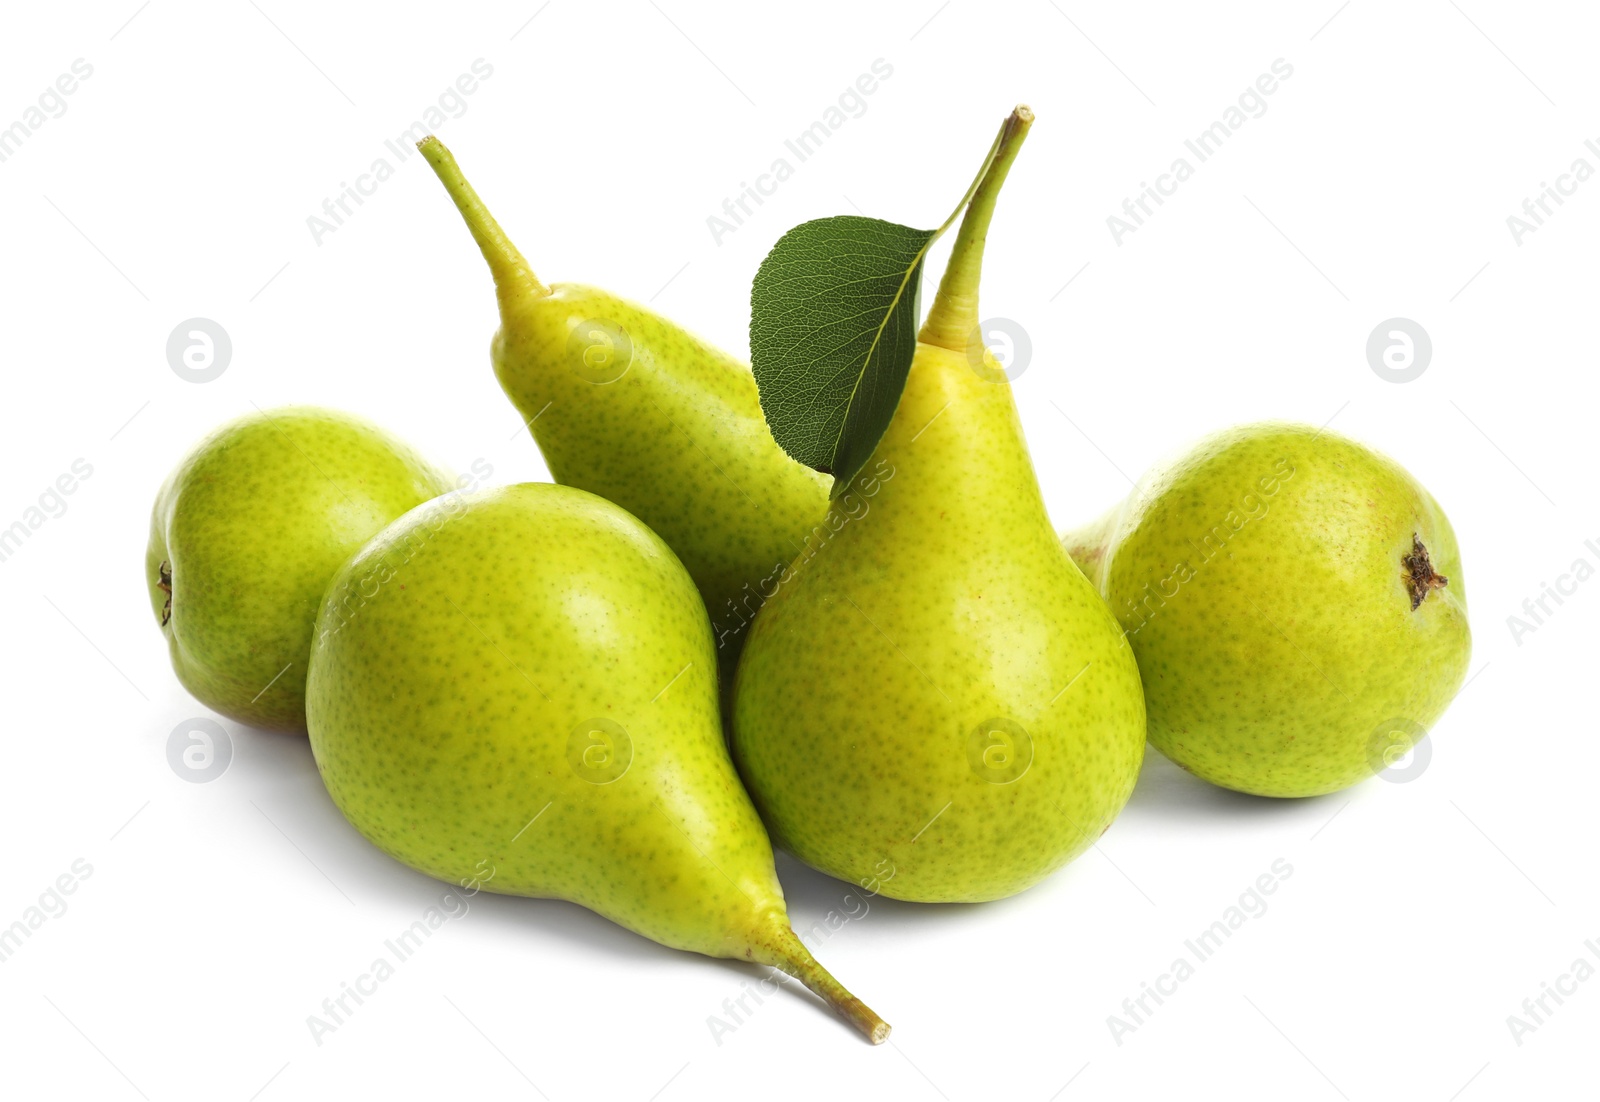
(934, 702)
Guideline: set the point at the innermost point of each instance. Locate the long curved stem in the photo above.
(954, 314)
(789, 954)
(513, 278)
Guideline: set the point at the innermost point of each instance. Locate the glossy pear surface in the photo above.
(935, 703)
(626, 404)
(517, 688)
(246, 534)
(1296, 603)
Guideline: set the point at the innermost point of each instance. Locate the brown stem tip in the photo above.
(787, 953)
(1419, 573)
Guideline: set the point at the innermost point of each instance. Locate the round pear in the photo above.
(1296, 603)
(244, 537)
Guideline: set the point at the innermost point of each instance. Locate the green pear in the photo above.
(935, 703)
(246, 533)
(515, 689)
(1295, 602)
(625, 404)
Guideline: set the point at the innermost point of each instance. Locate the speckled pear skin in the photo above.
(251, 526)
(626, 404)
(1263, 582)
(463, 659)
(678, 440)
(937, 601)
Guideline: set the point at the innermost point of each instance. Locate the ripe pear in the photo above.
(516, 689)
(935, 703)
(1295, 602)
(626, 404)
(244, 537)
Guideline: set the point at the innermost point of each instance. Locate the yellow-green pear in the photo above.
(1296, 604)
(935, 703)
(515, 689)
(626, 404)
(244, 537)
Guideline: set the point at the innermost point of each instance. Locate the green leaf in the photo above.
(833, 326)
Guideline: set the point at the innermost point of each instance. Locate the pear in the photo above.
(515, 689)
(935, 703)
(245, 535)
(625, 404)
(1296, 604)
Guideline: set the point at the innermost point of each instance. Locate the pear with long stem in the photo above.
(937, 703)
(626, 404)
(514, 690)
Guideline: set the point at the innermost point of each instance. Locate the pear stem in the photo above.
(789, 954)
(954, 314)
(513, 278)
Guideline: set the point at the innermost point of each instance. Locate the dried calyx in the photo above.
(1419, 573)
(164, 583)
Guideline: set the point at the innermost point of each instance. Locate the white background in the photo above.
(218, 916)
